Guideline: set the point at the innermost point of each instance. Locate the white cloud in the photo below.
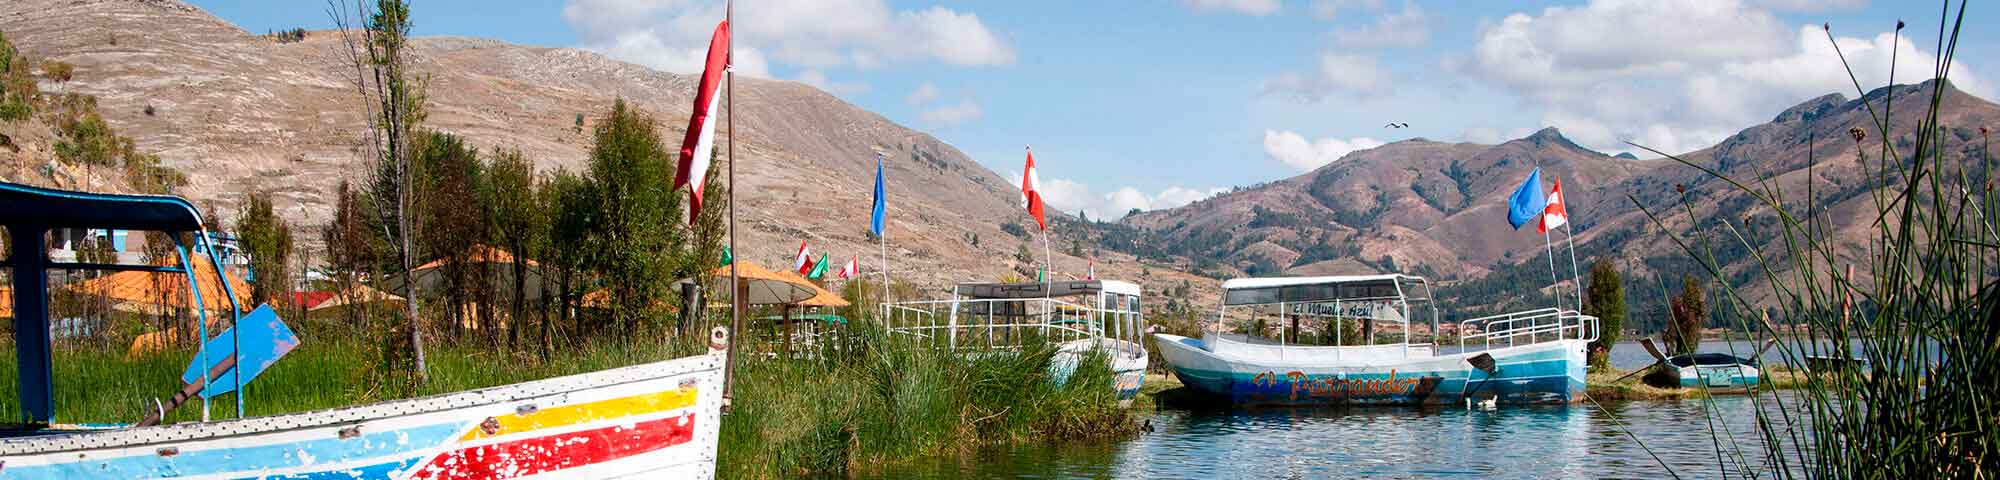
(1329, 9)
(1408, 28)
(1295, 151)
(965, 110)
(818, 80)
(1811, 5)
(1073, 196)
(1337, 73)
(1676, 76)
(673, 35)
(1251, 7)
(923, 94)
(1492, 136)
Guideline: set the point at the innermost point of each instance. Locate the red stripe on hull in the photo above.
(556, 452)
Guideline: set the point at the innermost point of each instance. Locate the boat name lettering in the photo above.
(1327, 386)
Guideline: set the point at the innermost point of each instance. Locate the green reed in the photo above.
(1924, 311)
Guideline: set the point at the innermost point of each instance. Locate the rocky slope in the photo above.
(241, 112)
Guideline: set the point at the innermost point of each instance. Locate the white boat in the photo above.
(658, 420)
(1081, 315)
(1535, 356)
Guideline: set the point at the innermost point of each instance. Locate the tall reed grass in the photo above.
(1924, 315)
(877, 398)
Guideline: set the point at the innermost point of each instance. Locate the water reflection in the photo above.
(1576, 441)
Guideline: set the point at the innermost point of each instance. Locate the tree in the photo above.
(516, 224)
(1605, 299)
(394, 104)
(350, 249)
(570, 202)
(452, 213)
(267, 240)
(635, 228)
(1689, 310)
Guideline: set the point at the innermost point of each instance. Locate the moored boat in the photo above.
(1535, 356)
(1081, 316)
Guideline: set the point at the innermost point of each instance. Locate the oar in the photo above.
(189, 391)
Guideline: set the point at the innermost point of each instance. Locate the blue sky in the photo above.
(1154, 104)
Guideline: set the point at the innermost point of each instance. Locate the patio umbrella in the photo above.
(157, 293)
(762, 286)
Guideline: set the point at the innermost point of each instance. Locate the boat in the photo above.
(1081, 316)
(657, 420)
(1532, 356)
(1716, 372)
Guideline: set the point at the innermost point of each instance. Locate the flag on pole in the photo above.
(1031, 191)
(818, 269)
(1092, 274)
(1527, 203)
(727, 258)
(803, 263)
(1042, 275)
(881, 206)
(852, 268)
(698, 147)
(1555, 215)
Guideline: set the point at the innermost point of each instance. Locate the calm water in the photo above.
(1574, 441)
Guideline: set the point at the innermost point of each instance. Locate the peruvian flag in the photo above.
(1555, 215)
(852, 268)
(804, 263)
(1031, 191)
(699, 145)
(1092, 275)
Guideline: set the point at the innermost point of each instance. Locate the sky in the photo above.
(1155, 104)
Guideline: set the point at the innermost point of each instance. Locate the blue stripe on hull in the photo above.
(394, 450)
(1540, 377)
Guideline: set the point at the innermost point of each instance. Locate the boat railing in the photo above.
(998, 323)
(1526, 328)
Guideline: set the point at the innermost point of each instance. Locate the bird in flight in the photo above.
(1396, 125)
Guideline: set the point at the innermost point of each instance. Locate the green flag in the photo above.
(819, 269)
(1041, 274)
(726, 257)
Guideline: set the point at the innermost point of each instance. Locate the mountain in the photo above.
(1438, 209)
(240, 112)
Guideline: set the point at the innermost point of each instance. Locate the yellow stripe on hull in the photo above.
(587, 412)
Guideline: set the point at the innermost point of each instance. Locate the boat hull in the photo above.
(658, 420)
(1719, 378)
(1128, 365)
(1549, 372)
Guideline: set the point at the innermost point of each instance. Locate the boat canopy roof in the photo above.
(1051, 289)
(1269, 290)
(42, 207)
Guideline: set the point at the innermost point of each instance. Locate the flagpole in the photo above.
(735, 280)
(1576, 277)
(1554, 281)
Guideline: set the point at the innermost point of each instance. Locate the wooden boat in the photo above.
(1535, 356)
(659, 420)
(1082, 316)
(1716, 372)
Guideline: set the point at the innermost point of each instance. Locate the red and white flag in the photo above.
(852, 268)
(804, 263)
(1555, 215)
(1092, 275)
(698, 147)
(1031, 192)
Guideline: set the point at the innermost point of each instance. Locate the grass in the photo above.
(1925, 406)
(886, 401)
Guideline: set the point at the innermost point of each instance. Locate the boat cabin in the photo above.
(1319, 311)
(1001, 314)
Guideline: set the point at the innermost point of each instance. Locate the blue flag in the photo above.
(1528, 201)
(881, 207)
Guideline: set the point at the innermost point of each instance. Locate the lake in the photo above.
(1554, 441)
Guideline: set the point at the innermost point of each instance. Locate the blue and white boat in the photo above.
(1534, 356)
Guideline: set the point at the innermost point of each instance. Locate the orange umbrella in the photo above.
(6, 303)
(821, 296)
(763, 286)
(152, 292)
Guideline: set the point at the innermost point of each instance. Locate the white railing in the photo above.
(1510, 329)
(1005, 323)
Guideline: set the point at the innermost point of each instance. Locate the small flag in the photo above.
(1527, 203)
(803, 263)
(1092, 274)
(852, 268)
(881, 206)
(1041, 275)
(698, 147)
(1556, 214)
(818, 269)
(726, 257)
(1031, 191)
